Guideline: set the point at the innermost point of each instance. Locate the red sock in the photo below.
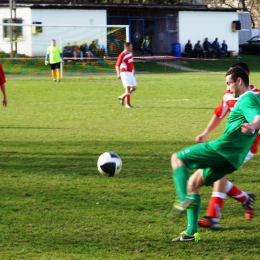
(127, 97)
(216, 204)
(235, 193)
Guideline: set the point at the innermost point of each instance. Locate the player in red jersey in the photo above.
(223, 187)
(125, 71)
(2, 85)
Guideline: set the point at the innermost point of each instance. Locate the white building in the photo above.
(33, 40)
(197, 25)
(165, 24)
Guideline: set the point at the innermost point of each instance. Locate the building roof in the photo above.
(128, 6)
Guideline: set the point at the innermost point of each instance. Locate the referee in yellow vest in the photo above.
(54, 56)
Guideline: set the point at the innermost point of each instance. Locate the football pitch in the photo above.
(56, 206)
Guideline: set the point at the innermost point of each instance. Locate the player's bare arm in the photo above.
(249, 128)
(213, 123)
(118, 72)
(4, 95)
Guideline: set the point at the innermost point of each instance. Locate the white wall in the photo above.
(36, 44)
(22, 46)
(64, 35)
(198, 25)
(255, 32)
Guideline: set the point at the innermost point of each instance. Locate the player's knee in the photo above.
(195, 182)
(175, 161)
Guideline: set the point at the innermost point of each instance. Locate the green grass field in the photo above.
(56, 205)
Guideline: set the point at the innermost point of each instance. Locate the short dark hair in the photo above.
(238, 72)
(127, 44)
(243, 65)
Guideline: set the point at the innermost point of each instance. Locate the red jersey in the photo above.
(2, 75)
(227, 104)
(125, 61)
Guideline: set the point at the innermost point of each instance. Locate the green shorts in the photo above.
(202, 156)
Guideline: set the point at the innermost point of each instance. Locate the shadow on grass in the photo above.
(81, 157)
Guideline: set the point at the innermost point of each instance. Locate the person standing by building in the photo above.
(145, 46)
(2, 85)
(54, 56)
(125, 71)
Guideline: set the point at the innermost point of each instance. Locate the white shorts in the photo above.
(128, 79)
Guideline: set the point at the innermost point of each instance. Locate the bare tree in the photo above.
(251, 6)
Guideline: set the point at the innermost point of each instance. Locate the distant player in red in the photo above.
(2, 85)
(125, 71)
(223, 187)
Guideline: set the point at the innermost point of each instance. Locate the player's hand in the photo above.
(46, 62)
(62, 61)
(247, 128)
(118, 76)
(201, 138)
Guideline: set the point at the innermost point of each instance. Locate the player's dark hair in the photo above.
(243, 65)
(238, 72)
(127, 44)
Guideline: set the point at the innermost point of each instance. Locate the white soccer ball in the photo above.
(109, 164)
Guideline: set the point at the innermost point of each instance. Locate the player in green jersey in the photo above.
(216, 158)
(54, 56)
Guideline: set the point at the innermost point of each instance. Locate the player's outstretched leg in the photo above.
(212, 218)
(190, 202)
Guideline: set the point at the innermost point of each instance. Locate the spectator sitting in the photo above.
(224, 48)
(77, 52)
(92, 49)
(67, 51)
(83, 48)
(207, 46)
(188, 48)
(198, 49)
(145, 46)
(216, 47)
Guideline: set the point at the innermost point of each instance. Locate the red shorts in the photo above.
(2, 75)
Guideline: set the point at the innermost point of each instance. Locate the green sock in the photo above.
(193, 215)
(180, 177)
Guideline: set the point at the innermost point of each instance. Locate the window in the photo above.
(36, 29)
(13, 32)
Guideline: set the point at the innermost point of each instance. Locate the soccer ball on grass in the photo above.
(109, 164)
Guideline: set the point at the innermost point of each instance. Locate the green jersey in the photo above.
(234, 144)
(54, 54)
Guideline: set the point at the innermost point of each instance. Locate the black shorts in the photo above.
(55, 66)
